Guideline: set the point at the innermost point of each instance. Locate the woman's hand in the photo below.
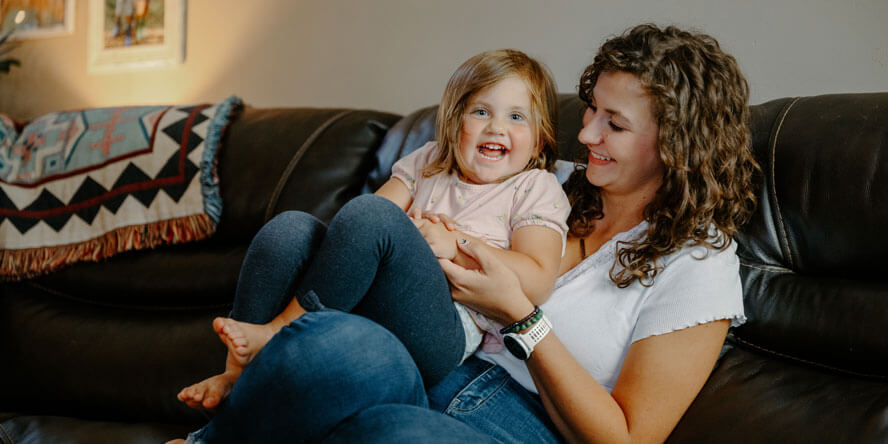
(492, 290)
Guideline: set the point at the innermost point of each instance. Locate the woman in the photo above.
(649, 286)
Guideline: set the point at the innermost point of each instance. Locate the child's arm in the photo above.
(535, 255)
(396, 191)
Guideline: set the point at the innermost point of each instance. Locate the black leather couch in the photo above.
(96, 352)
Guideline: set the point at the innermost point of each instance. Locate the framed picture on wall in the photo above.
(126, 35)
(31, 19)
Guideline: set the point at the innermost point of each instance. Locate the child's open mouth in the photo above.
(492, 151)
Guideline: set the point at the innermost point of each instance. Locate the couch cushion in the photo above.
(71, 358)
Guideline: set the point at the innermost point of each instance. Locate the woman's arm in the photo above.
(659, 378)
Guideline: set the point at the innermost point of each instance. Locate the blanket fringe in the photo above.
(27, 263)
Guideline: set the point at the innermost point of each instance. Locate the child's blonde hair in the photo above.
(484, 70)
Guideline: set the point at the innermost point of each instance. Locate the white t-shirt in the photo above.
(597, 321)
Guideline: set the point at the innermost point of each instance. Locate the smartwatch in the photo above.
(521, 345)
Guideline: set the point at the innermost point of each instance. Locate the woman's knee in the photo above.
(343, 355)
(398, 423)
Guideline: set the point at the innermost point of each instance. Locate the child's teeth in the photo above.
(491, 152)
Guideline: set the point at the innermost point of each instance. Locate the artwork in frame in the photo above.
(127, 35)
(37, 18)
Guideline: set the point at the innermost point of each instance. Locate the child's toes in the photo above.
(211, 402)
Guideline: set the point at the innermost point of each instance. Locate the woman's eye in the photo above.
(614, 127)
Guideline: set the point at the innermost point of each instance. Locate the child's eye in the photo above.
(480, 112)
(516, 116)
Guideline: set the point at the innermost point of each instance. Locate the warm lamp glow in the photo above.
(20, 17)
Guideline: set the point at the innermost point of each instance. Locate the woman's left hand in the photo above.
(493, 290)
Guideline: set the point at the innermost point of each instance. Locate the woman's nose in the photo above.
(591, 133)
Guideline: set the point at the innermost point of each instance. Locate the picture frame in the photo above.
(29, 19)
(127, 35)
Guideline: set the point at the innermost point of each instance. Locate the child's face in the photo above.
(497, 138)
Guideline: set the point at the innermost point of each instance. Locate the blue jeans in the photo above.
(336, 377)
(371, 261)
(332, 376)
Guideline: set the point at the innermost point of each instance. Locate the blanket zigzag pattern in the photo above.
(173, 179)
(86, 185)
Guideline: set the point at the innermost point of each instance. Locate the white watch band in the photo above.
(521, 345)
(537, 332)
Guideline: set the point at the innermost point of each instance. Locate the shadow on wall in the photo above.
(35, 83)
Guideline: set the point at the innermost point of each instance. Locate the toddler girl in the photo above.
(488, 171)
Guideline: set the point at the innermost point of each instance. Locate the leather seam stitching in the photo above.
(785, 239)
(805, 361)
(291, 166)
(766, 268)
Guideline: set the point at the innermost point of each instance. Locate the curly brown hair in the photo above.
(482, 71)
(699, 98)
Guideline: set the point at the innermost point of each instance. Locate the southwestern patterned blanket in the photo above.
(85, 185)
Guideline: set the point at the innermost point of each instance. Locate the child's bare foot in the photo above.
(244, 340)
(207, 394)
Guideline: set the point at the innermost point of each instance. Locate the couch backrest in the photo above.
(813, 255)
(306, 159)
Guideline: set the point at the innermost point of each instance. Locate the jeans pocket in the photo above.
(477, 392)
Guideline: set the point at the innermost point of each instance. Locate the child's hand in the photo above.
(416, 214)
(442, 240)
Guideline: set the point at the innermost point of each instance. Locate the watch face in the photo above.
(515, 347)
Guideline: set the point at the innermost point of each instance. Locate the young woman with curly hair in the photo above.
(649, 285)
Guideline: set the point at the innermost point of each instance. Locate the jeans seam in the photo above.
(452, 407)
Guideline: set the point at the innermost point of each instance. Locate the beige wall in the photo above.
(396, 55)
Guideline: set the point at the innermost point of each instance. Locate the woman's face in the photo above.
(621, 133)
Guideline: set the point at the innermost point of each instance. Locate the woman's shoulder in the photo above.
(718, 250)
(697, 284)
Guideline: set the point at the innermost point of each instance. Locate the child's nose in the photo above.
(496, 126)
